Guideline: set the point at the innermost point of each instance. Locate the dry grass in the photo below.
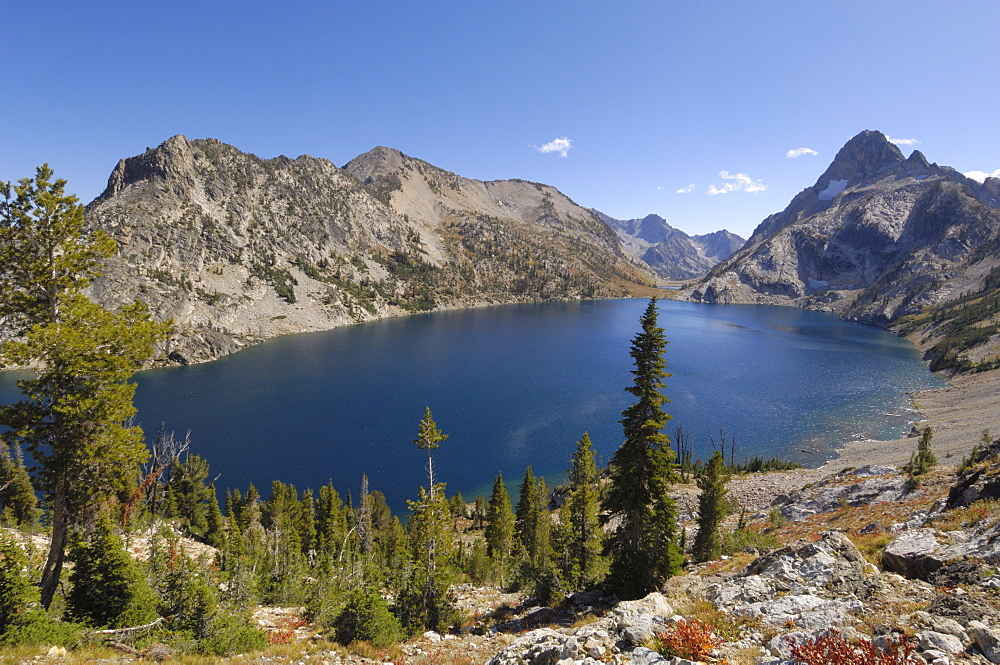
(980, 515)
(871, 545)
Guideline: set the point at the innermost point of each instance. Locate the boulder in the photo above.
(539, 647)
(987, 639)
(830, 564)
(644, 656)
(913, 554)
(929, 639)
(981, 481)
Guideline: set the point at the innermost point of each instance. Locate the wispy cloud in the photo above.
(798, 152)
(981, 176)
(685, 190)
(560, 145)
(738, 182)
(901, 141)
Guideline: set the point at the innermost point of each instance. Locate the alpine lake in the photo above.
(518, 385)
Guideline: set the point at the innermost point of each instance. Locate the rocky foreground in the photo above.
(870, 559)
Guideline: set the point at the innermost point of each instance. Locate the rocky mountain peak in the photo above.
(863, 156)
(378, 161)
(917, 160)
(172, 159)
(653, 228)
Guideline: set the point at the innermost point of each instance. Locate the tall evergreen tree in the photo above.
(331, 522)
(582, 562)
(641, 474)
(430, 521)
(711, 508)
(500, 529)
(74, 420)
(429, 437)
(526, 513)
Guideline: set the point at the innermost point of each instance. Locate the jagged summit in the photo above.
(863, 156)
(165, 161)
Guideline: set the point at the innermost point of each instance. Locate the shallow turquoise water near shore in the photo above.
(518, 385)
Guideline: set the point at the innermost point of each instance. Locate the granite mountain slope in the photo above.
(671, 253)
(879, 236)
(238, 249)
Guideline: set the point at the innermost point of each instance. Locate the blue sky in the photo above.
(650, 97)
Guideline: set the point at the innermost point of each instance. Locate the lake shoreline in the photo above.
(956, 413)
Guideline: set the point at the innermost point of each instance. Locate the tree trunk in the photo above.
(57, 548)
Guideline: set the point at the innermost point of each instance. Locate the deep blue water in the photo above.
(518, 385)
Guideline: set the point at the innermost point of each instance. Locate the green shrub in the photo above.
(230, 633)
(366, 617)
(746, 540)
(16, 590)
(35, 627)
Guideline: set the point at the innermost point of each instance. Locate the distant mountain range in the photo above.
(237, 249)
(882, 239)
(671, 253)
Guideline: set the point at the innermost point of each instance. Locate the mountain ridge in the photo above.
(671, 253)
(238, 249)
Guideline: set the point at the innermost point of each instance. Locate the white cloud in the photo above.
(560, 145)
(901, 141)
(798, 152)
(685, 190)
(740, 182)
(981, 176)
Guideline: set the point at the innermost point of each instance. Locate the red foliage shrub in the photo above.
(832, 648)
(691, 639)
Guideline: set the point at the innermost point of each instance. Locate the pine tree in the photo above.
(429, 437)
(188, 493)
(74, 420)
(923, 459)
(526, 514)
(641, 474)
(109, 587)
(331, 521)
(17, 592)
(283, 560)
(500, 529)
(458, 507)
(183, 585)
(711, 508)
(215, 531)
(479, 512)
(18, 502)
(430, 521)
(583, 564)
